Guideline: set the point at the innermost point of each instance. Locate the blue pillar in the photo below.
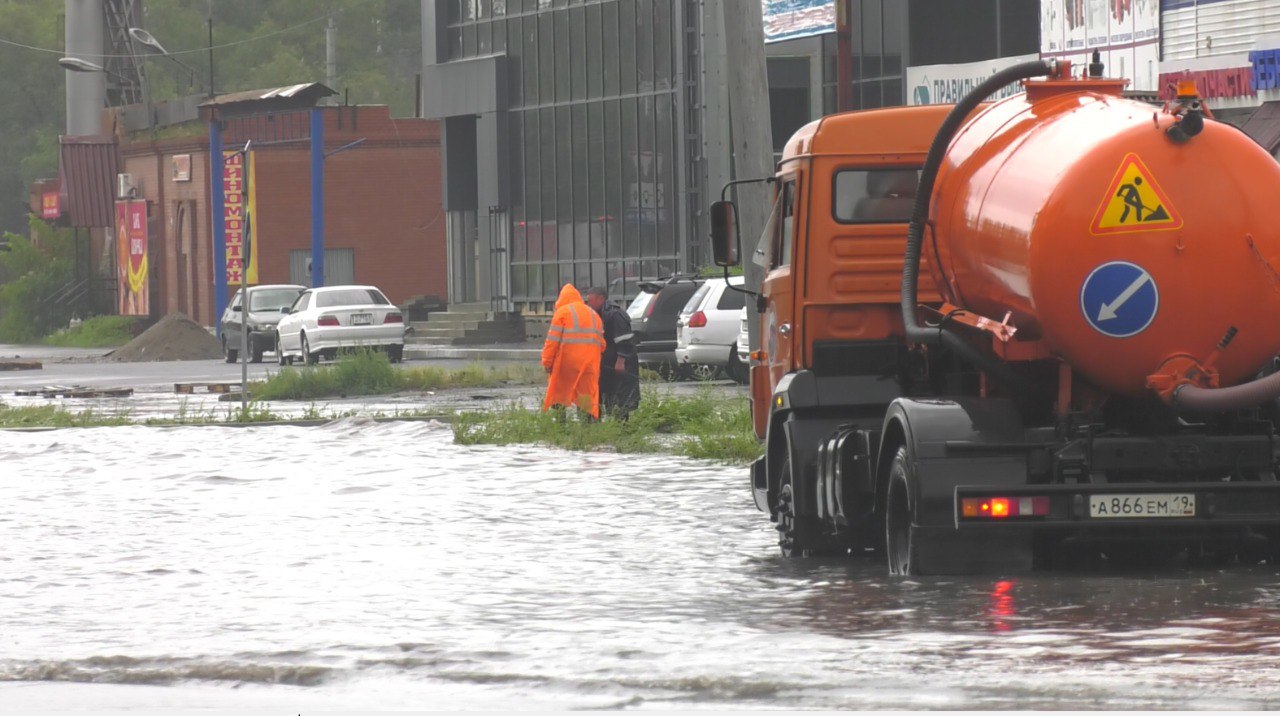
(317, 198)
(217, 199)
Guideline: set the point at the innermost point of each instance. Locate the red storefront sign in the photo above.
(50, 208)
(233, 212)
(1231, 82)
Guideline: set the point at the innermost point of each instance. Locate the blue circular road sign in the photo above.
(1119, 299)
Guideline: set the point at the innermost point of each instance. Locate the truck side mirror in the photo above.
(724, 233)
(236, 309)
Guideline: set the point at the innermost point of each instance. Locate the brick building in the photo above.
(382, 212)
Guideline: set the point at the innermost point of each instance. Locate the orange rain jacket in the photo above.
(572, 354)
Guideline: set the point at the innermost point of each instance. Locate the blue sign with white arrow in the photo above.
(1119, 299)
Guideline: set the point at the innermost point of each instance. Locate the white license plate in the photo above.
(1153, 505)
(361, 319)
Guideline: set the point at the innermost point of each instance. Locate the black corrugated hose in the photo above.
(939, 335)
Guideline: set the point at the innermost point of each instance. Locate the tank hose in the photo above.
(938, 335)
(1194, 399)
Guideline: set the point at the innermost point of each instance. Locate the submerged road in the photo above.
(379, 565)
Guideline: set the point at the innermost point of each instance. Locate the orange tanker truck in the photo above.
(999, 336)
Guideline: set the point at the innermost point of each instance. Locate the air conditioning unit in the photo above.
(125, 188)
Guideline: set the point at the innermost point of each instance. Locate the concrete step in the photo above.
(439, 332)
(454, 322)
(474, 315)
(449, 336)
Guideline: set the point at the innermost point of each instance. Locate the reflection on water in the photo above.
(377, 564)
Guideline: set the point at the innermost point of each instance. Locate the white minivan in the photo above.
(707, 329)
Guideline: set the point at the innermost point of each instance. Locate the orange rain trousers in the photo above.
(571, 354)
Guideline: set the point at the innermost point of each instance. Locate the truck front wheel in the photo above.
(799, 535)
(901, 543)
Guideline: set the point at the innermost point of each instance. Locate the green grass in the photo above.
(704, 426)
(96, 332)
(370, 373)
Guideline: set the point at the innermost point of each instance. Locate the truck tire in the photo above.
(902, 546)
(799, 535)
(229, 354)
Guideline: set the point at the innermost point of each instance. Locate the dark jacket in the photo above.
(619, 392)
(618, 340)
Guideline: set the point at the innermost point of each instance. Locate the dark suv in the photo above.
(653, 319)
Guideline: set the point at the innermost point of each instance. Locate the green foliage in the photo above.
(705, 426)
(258, 44)
(32, 274)
(33, 111)
(97, 332)
(55, 416)
(718, 271)
(369, 372)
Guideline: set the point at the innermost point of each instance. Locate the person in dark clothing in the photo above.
(619, 364)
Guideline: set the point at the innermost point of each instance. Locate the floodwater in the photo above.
(378, 565)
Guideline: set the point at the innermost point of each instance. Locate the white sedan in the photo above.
(325, 320)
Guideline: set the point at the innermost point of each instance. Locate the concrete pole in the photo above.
(331, 56)
(86, 91)
(717, 159)
(752, 136)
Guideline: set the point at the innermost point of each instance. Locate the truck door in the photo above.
(779, 336)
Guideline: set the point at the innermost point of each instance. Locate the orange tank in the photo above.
(1125, 251)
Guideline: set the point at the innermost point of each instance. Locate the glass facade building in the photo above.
(584, 139)
(861, 61)
(592, 99)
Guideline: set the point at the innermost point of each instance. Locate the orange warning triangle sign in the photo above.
(1134, 202)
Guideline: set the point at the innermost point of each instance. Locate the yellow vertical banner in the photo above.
(251, 230)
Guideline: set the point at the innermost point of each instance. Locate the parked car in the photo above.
(739, 368)
(707, 329)
(324, 320)
(653, 319)
(264, 314)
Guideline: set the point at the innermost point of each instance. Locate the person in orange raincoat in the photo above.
(571, 354)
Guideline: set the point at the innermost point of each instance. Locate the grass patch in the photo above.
(55, 416)
(370, 373)
(706, 426)
(96, 332)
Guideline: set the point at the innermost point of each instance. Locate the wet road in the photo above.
(153, 386)
(378, 565)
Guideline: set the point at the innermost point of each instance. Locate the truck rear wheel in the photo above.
(901, 543)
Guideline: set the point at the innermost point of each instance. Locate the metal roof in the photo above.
(1264, 126)
(87, 166)
(290, 97)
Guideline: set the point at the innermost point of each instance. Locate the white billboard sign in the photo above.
(947, 84)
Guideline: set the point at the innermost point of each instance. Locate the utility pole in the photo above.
(86, 92)
(331, 55)
(752, 137)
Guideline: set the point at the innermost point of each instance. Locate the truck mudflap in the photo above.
(1165, 507)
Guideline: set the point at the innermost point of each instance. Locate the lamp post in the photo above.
(152, 45)
(75, 64)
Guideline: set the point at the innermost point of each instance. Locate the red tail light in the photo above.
(999, 508)
(393, 318)
(648, 309)
(327, 321)
(698, 320)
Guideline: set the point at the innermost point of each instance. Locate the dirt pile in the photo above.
(174, 337)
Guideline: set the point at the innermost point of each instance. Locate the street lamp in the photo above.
(152, 45)
(75, 64)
